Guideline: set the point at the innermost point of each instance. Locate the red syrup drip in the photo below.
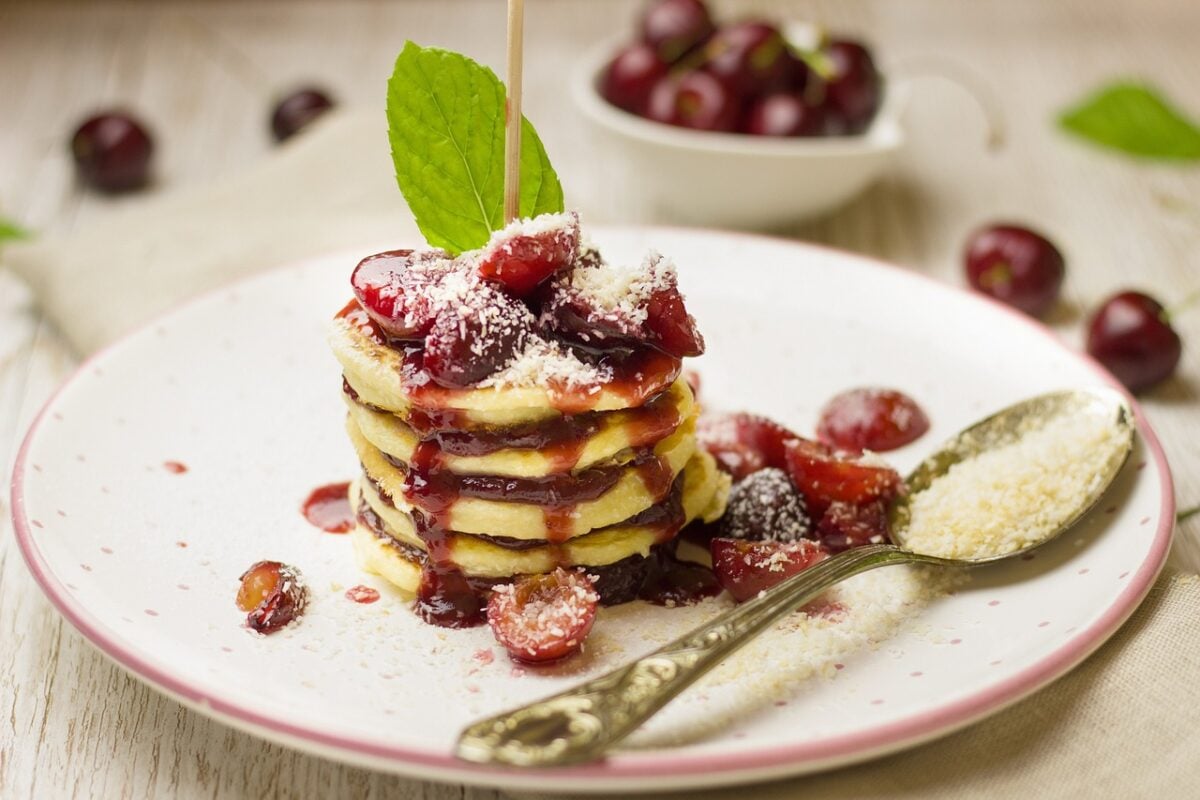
(175, 467)
(328, 508)
(362, 594)
(357, 316)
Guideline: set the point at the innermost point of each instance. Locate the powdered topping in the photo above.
(547, 363)
(1011, 497)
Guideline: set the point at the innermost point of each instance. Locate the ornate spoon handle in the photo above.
(581, 724)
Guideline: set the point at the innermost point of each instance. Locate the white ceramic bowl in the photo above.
(644, 171)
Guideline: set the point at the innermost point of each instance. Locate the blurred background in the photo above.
(980, 141)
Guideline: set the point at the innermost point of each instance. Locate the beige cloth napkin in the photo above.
(1121, 725)
(329, 188)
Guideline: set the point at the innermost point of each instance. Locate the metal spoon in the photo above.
(583, 723)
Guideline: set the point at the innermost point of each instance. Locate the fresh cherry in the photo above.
(543, 618)
(674, 27)
(855, 88)
(112, 152)
(272, 595)
(749, 57)
(695, 100)
(468, 343)
(520, 259)
(744, 443)
(767, 506)
(297, 110)
(1131, 335)
(1016, 266)
(844, 525)
(631, 75)
(871, 419)
(783, 114)
(392, 287)
(824, 476)
(746, 568)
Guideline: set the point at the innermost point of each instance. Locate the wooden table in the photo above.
(75, 725)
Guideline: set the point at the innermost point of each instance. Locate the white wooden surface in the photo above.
(204, 73)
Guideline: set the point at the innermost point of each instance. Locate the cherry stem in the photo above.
(512, 112)
(962, 76)
(1181, 306)
(1187, 513)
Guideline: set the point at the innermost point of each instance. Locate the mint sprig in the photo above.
(11, 230)
(1135, 119)
(446, 117)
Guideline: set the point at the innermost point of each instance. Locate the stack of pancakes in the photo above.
(500, 481)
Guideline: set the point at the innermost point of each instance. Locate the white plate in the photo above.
(239, 386)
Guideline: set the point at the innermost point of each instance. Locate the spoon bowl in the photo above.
(582, 723)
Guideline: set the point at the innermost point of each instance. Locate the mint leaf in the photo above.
(11, 230)
(446, 126)
(1134, 119)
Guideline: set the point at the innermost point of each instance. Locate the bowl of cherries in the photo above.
(749, 124)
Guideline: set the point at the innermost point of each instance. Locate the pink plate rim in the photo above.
(633, 769)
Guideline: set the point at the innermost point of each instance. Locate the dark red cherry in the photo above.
(272, 594)
(694, 100)
(630, 77)
(855, 88)
(749, 57)
(393, 289)
(674, 27)
(112, 152)
(474, 340)
(825, 477)
(845, 525)
(296, 110)
(871, 419)
(744, 443)
(747, 568)
(526, 253)
(783, 114)
(1016, 266)
(1131, 335)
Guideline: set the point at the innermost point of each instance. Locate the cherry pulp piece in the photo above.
(784, 114)
(748, 57)
(296, 110)
(854, 90)
(765, 506)
(1131, 335)
(630, 77)
(746, 568)
(825, 477)
(675, 27)
(1016, 266)
(393, 289)
(527, 252)
(112, 152)
(743, 443)
(843, 525)
(542, 618)
(272, 595)
(696, 100)
(871, 419)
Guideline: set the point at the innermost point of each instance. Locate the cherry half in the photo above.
(1015, 265)
(1131, 335)
(296, 110)
(871, 419)
(112, 152)
(542, 618)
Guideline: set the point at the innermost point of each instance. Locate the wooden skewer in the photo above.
(512, 129)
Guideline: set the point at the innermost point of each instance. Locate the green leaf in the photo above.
(1134, 119)
(11, 230)
(446, 126)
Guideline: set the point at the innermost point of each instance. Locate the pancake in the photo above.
(616, 431)
(703, 493)
(373, 370)
(630, 494)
